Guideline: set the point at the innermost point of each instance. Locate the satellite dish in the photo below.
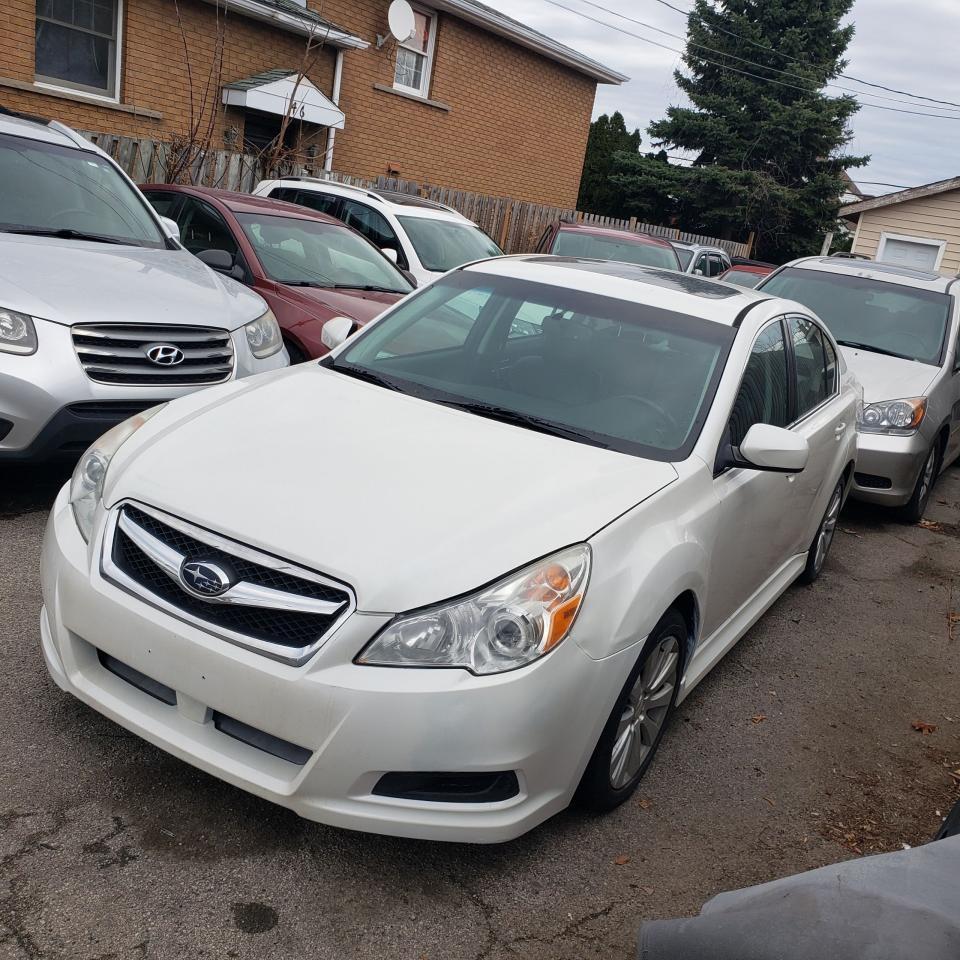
(403, 25)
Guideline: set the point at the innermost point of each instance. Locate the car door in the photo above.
(758, 520)
(821, 415)
(953, 444)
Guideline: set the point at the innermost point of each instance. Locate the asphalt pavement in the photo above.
(832, 728)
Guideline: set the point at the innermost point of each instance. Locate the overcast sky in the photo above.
(907, 44)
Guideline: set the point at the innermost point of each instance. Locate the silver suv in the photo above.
(898, 329)
(102, 312)
(702, 260)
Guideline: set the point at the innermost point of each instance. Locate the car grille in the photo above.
(273, 607)
(117, 353)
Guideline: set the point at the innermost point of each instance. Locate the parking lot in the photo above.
(798, 750)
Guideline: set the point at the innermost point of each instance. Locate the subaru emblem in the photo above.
(205, 578)
(165, 354)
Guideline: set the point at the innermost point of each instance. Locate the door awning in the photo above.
(273, 91)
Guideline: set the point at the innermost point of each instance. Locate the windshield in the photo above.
(613, 373)
(868, 313)
(46, 188)
(685, 256)
(742, 278)
(580, 243)
(443, 245)
(310, 252)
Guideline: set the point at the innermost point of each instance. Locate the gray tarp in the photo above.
(898, 906)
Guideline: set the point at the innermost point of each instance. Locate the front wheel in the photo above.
(817, 554)
(638, 719)
(917, 504)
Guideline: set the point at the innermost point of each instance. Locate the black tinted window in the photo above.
(763, 396)
(814, 379)
(202, 228)
(368, 222)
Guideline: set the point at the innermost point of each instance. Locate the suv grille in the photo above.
(117, 353)
(272, 607)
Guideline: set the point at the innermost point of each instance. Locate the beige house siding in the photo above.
(935, 218)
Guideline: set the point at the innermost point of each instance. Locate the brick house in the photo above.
(473, 100)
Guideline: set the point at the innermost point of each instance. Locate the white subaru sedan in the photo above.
(463, 570)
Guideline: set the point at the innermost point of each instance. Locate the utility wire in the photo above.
(780, 53)
(745, 73)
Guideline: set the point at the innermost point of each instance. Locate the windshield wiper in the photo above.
(517, 419)
(369, 287)
(67, 233)
(869, 346)
(360, 373)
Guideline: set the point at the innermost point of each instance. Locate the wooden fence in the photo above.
(516, 225)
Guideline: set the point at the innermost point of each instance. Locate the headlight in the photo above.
(86, 484)
(263, 335)
(897, 417)
(501, 627)
(17, 332)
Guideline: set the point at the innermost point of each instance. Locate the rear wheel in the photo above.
(817, 554)
(638, 720)
(917, 504)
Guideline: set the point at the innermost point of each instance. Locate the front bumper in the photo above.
(49, 407)
(888, 467)
(357, 723)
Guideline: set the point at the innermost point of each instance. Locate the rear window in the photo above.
(870, 314)
(742, 278)
(444, 245)
(580, 243)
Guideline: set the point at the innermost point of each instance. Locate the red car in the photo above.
(747, 273)
(306, 265)
(603, 243)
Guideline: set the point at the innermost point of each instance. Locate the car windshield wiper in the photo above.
(517, 419)
(368, 287)
(873, 349)
(361, 373)
(67, 233)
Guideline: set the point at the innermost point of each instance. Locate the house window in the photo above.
(414, 58)
(77, 43)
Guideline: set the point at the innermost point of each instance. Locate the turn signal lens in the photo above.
(505, 626)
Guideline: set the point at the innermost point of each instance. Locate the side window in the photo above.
(716, 265)
(763, 396)
(321, 202)
(202, 228)
(285, 193)
(164, 203)
(370, 223)
(528, 321)
(702, 265)
(815, 382)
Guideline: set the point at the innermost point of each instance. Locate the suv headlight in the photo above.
(17, 333)
(504, 626)
(900, 418)
(86, 484)
(263, 336)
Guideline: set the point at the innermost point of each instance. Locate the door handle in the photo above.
(839, 430)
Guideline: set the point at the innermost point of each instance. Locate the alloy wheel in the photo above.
(827, 529)
(926, 478)
(645, 711)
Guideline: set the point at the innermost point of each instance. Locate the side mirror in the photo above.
(774, 448)
(217, 259)
(335, 331)
(698, 272)
(172, 228)
(391, 254)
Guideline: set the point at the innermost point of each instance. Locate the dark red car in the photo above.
(306, 265)
(604, 243)
(747, 273)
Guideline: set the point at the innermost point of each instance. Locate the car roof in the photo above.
(760, 268)
(884, 272)
(399, 204)
(245, 203)
(698, 246)
(40, 128)
(668, 289)
(629, 235)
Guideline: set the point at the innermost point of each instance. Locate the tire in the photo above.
(296, 354)
(820, 548)
(621, 757)
(915, 507)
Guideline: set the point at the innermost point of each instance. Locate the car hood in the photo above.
(73, 281)
(888, 378)
(408, 501)
(359, 305)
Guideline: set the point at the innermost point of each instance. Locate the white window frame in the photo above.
(48, 83)
(423, 91)
(941, 245)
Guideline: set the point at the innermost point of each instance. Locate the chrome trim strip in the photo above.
(294, 656)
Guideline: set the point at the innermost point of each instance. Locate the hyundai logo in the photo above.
(165, 354)
(205, 578)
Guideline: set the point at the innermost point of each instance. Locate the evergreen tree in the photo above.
(608, 136)
(769, 155)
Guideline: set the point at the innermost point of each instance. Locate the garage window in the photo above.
(917, 253)
(77, 44)
(415, 56)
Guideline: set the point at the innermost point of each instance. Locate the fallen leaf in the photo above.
(955, 774)
(643, 803)
(852, 533)
(930, 525)
(923, 727)
(622, 861)
(772, 804)
(758, 718)
(647, 890)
